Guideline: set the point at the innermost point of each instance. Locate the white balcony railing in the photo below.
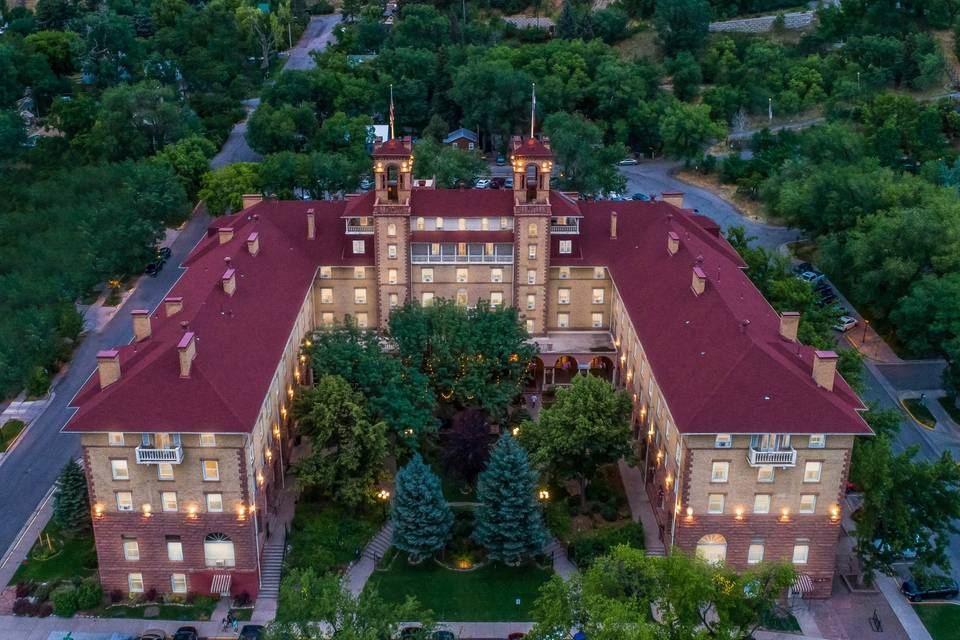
(774, 457)
(359, 229)
(442, 259)
(564, 228)
(151, 455)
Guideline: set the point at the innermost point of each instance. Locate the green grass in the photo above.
(487, 594)
(919, 411)
(243, 615)
(949, 405)
(326, 536)
(782, 621)
(167, 612)
(77, 559)
(941, 620)
(10, 432)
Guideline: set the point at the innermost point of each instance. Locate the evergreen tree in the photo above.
(421, 517)
(71, 505)
(509, 523)
(567, 27)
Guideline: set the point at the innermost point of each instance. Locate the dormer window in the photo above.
(439, 224)
(723, 441)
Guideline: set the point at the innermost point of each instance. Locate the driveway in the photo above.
(236, 149)
(27, 473)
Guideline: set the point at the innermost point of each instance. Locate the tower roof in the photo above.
(532, 148)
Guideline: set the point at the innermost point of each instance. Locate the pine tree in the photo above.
(71, 505)
(567, 22)
(421, 517)
(509, 522)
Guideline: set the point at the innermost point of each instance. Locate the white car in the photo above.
(845, 323)
(628, 162)
(483, 183)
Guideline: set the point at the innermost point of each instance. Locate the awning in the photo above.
(221, 584)
(803, 584)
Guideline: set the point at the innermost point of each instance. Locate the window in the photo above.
(564, 273)
(462, 297)
(566, 246)
(218, 550)
(326, 273)
(359, 246)
(461, 275)
(421, 224)
(462, 224)
(426, 299)
(532, 230)
(496, 299)
(135, 582)
(208, 440)
(712, 548)
(598, 273)
(360, 295)
(120, 470)
(755, 552)
(362, 319)
(115, 439)
(426, 274)
(808, 503)
(765, 473)
(596, 296)
(720, 472)
(532, 251)
(531, 276)
(124, 501)
(715, 503)
(392, 230)
(164, 471)
(391, 276)
(214, 502)
(211, 469)
(391, 251)
(531, 301)
(439, 224)
(676, 453)
(596, 320)
(811, 472)
(359, 273)
(326, 295)
(801, 552)
(326, 318)
(761, 503)
(723, 441)
(178, 583)
(563, 320)
(394, 300)
(563, 296)
(496, 275)
(131, 549)
(485, 224)
(529, 325)
(817, 441)
(504, 223)
(168, 500)
(174, 549)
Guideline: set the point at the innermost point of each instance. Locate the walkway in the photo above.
(640, 508)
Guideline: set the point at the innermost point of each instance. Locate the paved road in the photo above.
(28, 472)
(236, 149)
(915, 375)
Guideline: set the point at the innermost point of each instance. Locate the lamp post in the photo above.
(866, 323)
(384, 497)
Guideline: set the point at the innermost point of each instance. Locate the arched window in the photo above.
(712, 548)
(421, 223)
(392, 230)
(462, 297)
(218, 550)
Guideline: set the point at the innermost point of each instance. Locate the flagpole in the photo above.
(533, 108)
(391, 113)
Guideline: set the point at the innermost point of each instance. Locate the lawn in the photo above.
(941, 620)
(167, 612)
(486, 594)
(920, 412)
(9, 433)
(77, 559)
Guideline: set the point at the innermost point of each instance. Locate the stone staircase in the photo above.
(380, 543)
(271, 567)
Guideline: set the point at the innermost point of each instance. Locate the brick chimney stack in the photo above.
(225, 234)
(789, 323)
(673, 243)
(253, 243)
(824, 368)
(108, 367)
(187, 349)
(613, 225)
(172, 305)
(141, 324)
(311, 224)
(699, 281)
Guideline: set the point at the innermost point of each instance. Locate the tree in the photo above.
(436, 130)
(13, 135)
(586, 164)
(110, 51)
(567, 22)
(421, 517)
(420, 25)
(264, 27)
(686, 128)
(587, 426)
(685, 71)
(223, 189)
(451, 166)
(71, 503)
(347, 448)
(285, 128)
(57, 47)
(189, 158)
(509, 524)
(466, 445)
(682, 24)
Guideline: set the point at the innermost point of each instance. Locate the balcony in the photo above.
(456, 259)
(152, 455)
(362, 229)
(564, 228)
(772, 457)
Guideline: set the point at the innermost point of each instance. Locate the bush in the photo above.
(322, 8)
(42, 610)
(38, 383)
(22, 607)
(608, 512)
(590, 546)
(89, 595)
(116, 596)
(64, 600)
(23, 589)
(42, 591)
(558, 520)
(242, 600)
(150, 595)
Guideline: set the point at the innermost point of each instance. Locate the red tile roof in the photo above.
(532, 148)
(393, 147)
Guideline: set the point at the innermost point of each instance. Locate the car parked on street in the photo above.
(845, 323)
(154, 634)
(508, 182)
(640, 196)
(628, 162)
(933, 588)
(813, 277)
(153, 269)
(483, 183)
(501, 160)
(186, 633)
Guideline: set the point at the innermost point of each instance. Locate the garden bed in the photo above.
(197, 611)
(919, 412)
(76, 558)
(10, 432)
(941, 620)
(327, 536)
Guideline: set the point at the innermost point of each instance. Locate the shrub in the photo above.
(116, 596)
(203, 601)
(150, 595)
(38, 383)
(322, 8)
(590, 546)
(89, 595)
(24, 589)
(558, 520)
(242, 600)
(42, 591)
(191, 597)
(22, 607)
(42, 610)
(608, 512)
(64, 600)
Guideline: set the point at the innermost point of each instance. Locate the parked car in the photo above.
(443, 634)
(154, 634)
(628, 162)
(498, 183)
(251, 632)
(812, 277)
(153, 269)
(827, 299)
(803, 266)
(640, 196)
(508, 183)
(845, 323)
(501, 160)
(186, 633)
(934, 588)
(366, 184)
(614, 196)
(483, 183)
(164, 253)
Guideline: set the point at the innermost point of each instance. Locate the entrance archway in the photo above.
(564, 370)
(602, 367)
(534, 375)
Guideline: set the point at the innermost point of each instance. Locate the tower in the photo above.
(532, 162)
(393, 181)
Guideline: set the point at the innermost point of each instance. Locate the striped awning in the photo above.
(803, 584)
(220, 584)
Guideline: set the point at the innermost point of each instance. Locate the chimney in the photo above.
(824, 368)
(789, 323)
(311, 224)
(229, 281)
(673, 243)
(250, 199)
(699, 281)
(673, 197)
(188, 351)
(613, 225)
(141, 324)
(108, 366)
(253, 243)
(172, 306)
(225, 234)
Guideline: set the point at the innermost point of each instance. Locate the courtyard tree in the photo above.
(509, 523)
(71, 505)
(189, 158)
(421, 517)
(586, 427)
(347, 447)
(686, 128)
(466, 445)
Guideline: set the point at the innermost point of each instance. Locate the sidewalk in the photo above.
(640, 507)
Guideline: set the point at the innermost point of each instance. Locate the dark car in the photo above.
(497, 182)
(640, 196)
(935, 588)
(443, 634)
(501, 160)
(164, 253)
(186, 633)
(251, 632)
(153, 269)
